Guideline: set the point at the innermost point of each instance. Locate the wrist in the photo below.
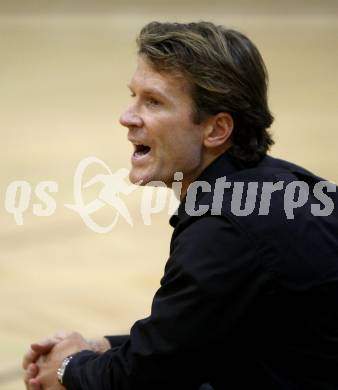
(99, 345)
(72, 375)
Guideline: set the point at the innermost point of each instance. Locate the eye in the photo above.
(152, 102)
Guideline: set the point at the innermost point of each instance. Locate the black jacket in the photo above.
(246, 301)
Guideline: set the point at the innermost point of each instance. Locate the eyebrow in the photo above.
(151, 91)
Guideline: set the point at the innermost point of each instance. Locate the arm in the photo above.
(201, 299)
(211, 280)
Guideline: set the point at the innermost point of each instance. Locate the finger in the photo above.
(34, 384)
(39, 348)
(29, 357)
(31, 372)
(44, 346)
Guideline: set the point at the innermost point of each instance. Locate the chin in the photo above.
(139, 178)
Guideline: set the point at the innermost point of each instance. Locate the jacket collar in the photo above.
(224, 165)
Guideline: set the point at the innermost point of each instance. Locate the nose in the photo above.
(131, 119)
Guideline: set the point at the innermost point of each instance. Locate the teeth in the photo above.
(138, 144)
(141, 149)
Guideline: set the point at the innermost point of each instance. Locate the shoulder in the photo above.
(208, 248)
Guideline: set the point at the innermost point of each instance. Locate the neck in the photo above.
(190, 179)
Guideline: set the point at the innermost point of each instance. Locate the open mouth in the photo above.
(141, 150)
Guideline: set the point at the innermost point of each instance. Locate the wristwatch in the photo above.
(61, 370)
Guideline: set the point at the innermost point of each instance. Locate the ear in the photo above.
(218, 131)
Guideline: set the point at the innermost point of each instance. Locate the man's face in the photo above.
(160, 126)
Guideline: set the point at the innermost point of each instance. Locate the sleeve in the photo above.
(210, 280)
(118, 340)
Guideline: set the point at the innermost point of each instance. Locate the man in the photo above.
(249, 296)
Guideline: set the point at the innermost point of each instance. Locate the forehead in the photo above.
(146, 77)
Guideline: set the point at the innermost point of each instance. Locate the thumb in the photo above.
(44, 346)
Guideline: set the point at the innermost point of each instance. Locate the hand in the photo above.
(99, 345)
(42, 348)
(36, 352)
(47, 365)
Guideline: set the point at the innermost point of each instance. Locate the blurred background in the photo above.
(64, 67)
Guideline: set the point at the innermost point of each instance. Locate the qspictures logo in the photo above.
(115, 187)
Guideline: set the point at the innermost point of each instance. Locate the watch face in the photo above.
(60, 371)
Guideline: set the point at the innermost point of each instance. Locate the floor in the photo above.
(63, 86)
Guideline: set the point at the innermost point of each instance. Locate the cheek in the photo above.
(176, 142)
(186, 150)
